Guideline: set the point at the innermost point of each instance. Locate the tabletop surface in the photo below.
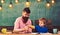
(26, 34)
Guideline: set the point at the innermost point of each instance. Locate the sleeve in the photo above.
(37, 28)
(16, 24)
(46, 29)
(30, 23)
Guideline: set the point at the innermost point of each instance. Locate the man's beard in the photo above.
(25, 19)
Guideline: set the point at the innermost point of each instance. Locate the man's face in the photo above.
(25, 16)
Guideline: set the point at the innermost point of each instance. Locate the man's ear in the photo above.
(22, 13)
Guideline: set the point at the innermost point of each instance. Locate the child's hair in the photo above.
(43, 19)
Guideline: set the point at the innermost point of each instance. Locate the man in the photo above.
(21, 24)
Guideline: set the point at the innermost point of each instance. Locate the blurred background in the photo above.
(11, 9)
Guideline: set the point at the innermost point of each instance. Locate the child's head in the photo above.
(42, 22)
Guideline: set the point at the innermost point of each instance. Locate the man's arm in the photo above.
(16, 26)
(30, 24)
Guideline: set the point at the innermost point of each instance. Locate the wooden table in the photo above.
(25, 34)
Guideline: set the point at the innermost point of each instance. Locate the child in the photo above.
(40, 28)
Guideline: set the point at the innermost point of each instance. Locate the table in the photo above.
(25, 34)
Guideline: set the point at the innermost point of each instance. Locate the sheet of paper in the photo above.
(46, 33)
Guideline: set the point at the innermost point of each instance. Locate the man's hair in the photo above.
(27, 10)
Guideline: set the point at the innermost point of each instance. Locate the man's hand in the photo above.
(25, 28)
